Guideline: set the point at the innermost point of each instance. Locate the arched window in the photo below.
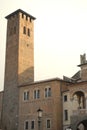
(26, 96)
(24, 30)
(48, 92)
(80, 98)
(28, 32)
(36, 94)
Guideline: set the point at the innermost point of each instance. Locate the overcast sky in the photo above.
(60, 35)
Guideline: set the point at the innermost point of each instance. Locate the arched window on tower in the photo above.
(24, 30)
(28, 32)
(22, 15)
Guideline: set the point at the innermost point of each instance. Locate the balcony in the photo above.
(79, 112)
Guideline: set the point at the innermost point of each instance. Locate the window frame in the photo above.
(65, 98)
(66, 115)
(48, 92)
(26, 125)
(24, 30)
(28, 32)
(22, 15)
(26, 95)
(36, 93)
(32, 125)
(48, 127)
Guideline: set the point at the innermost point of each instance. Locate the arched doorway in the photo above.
(82, 125)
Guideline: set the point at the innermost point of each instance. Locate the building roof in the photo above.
(43, 81)
(77, 83)
(82, 64)
(76, 76)
(17, 11)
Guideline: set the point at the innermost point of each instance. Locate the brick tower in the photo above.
(19, 66)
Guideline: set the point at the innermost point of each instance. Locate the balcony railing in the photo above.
(80, 112)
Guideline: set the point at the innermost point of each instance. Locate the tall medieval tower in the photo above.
(19, 66)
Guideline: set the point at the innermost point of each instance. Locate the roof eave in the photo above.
(17, 11)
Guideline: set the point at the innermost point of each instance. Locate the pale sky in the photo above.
(60, 35)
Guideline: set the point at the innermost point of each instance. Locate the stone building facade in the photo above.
(19, 66)
(75, 99)
(63, 101)
(45, 95)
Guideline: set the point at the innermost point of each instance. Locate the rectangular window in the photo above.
(66, 115)
(46, 92)
(26, 95)
(65, 98)
(38, 93)
(28, 32)
(48, 124)
(22, 15)
(26, 125)
(30, 20)
(35, 94)
(32, 124)
(24, 30)
(49, 92)
(26, 17)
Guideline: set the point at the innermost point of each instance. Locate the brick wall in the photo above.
(51, 106)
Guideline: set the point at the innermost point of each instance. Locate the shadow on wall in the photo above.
(26, 77)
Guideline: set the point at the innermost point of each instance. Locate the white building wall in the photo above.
(69, 105)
